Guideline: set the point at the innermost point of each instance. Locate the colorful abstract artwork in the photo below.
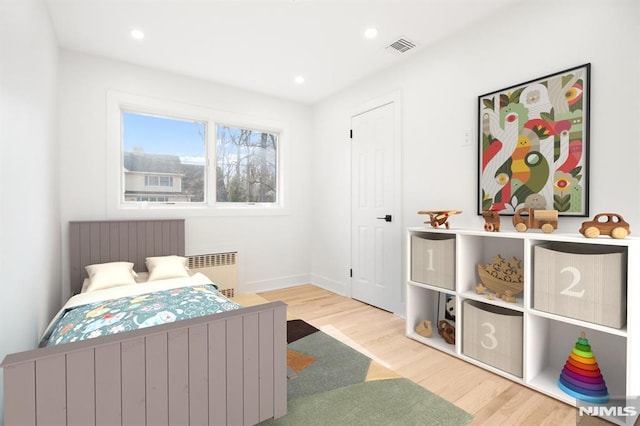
(534, 145)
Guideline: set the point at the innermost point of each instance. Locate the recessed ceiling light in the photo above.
(137, 34)
(370, 33)
(298, 79)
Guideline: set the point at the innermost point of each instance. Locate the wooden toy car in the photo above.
(439, 217)
(606, 224)
(528, 217)
(491, 220)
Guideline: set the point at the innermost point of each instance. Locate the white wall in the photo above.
(29, 211)
(440, 86)
(273, 248)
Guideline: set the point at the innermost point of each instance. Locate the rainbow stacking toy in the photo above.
(581, 377)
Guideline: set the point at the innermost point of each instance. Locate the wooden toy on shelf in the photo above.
(447, 331)
(528, 217)
(480, 289)
(508, 296)
(439, 217)
(501, 276)
(424, 328)
(606, 224)
(491, 220)
(581, 376)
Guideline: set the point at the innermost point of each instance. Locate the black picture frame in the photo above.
(533, 145)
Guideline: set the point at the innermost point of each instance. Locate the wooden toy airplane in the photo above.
(439, 217)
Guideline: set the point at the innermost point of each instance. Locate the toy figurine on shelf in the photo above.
(424, 328)
(508, 297)
(447, 331)
(606, 224)
(491, 220)
(439, 217)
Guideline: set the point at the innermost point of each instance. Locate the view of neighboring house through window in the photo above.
(164, 160)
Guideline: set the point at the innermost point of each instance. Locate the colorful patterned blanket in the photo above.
(135, 312)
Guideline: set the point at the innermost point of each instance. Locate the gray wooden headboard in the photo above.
(93, 242)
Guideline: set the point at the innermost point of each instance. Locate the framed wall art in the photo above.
(534, 145)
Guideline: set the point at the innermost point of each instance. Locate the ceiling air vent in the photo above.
(401, 45)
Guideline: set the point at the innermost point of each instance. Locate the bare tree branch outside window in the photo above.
(246, 162)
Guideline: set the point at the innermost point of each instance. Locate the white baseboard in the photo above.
(274, 283)
(341, 288)
(295, 280)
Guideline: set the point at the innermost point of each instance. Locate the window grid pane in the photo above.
(164, 159)
(246, 165)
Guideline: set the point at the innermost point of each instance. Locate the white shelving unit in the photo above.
(547, 338)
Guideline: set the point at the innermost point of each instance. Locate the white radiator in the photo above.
(221, 268)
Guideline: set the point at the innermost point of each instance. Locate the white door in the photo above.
(375, 210)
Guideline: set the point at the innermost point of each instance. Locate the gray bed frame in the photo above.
(227, 368)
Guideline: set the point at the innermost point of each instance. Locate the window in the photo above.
(163, 159)
(246, 165)
(175, 155)
(158, 181)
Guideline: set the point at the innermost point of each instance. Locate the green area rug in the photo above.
(337, 385)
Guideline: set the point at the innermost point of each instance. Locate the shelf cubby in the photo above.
(549, 334)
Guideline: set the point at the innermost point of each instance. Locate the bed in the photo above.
(223, 368)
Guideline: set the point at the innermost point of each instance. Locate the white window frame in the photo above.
(117, 207)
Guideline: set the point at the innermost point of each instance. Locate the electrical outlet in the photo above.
(466, 141)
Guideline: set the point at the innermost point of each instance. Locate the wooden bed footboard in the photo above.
(228, 368)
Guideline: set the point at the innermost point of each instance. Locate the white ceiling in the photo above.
(262, 44)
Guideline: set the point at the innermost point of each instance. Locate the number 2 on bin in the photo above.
(576, 277)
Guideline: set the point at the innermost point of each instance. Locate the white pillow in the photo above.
(163, 267)
(112, 274)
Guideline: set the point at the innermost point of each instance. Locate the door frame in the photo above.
(394, 97)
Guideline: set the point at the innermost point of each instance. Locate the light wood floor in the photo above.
(492, 399)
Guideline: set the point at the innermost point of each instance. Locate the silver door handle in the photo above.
(387, 218)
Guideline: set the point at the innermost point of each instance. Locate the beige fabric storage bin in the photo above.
(493, 335)
(581, 281)
(432, 260)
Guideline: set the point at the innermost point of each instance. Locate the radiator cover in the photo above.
(221, 268)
